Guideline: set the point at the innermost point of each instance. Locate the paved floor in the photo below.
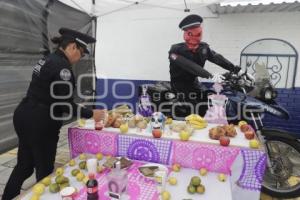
(8, 161)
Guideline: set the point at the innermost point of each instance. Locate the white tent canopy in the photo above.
(134, 36)
(105, 7)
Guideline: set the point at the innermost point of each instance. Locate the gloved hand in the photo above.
(218, 78)
(250, 80)
(248, 75)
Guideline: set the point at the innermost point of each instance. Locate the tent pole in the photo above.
(94, 32)
(45, 14)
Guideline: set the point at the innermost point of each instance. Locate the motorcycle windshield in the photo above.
(262, 80)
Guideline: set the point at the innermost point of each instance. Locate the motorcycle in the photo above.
(255, 98)
(282, 175)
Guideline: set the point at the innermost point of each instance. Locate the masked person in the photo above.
(37, 130)
(187, 62)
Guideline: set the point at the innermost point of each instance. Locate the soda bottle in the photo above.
(92, 188)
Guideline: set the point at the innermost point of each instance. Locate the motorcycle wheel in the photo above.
(285, 161)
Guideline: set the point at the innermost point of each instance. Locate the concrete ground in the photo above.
(8, 161)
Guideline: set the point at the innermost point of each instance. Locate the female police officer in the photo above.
(37, 129)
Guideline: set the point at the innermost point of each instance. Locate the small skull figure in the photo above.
(158, 121)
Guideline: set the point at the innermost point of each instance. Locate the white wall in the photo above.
(134, 44)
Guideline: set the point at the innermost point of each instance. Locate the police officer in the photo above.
(187, 62)
(35, 118)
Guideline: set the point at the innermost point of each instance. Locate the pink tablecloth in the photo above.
(189, 154)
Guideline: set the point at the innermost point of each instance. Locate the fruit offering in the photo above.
(124, 128)
(156, 133)
(249, 135)
(61, 179)
(172, 181)
(99, 156)
(54, 188)
(82, 165)
(169, 120)
(242, 123)
(74, 172)
(179, 126)
(227, 130)
(82, 156)
(245, 127)
(203, 171)
(230, 130)
(80, 176)
(46, 181)
(142, 124)
(195, 186)
(216, 132)
(38, 188)
(165, 195)
(184, 135)
(72, 163)
(222, 177)
(81, 122)
(224, 141)
(59, 171)
(176, 167)
(35, 197)
(254, 144)
(196, 121)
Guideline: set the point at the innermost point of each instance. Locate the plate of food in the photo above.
(149, 170)
(125, 162)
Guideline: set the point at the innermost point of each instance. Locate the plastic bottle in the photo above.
(92, 188)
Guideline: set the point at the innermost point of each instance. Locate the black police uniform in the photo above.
(37, 131)
(188, 65)
(183, 75)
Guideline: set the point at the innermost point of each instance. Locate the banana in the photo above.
(199, 126)
(196, 121)
(194, 117)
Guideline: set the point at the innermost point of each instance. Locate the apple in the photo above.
(249, 134)
(224, 141)
(245, 127)
(156, 133)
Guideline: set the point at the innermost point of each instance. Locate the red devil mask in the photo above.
(192, 37)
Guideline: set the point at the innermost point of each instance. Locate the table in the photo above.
(244, 165)
(214, 188)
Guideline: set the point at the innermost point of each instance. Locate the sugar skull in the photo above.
(158, 121)
(92, 143)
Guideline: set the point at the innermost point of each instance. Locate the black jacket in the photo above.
(53, 82)
(189, 65)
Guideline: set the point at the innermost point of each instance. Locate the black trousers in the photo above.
(38, 136)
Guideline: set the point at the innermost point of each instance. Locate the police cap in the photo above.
(80, 38)
(190, 21)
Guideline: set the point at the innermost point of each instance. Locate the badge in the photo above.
(65, 74)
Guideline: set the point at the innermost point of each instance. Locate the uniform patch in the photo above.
(204, 51)
(65, 74)
(38, 66)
